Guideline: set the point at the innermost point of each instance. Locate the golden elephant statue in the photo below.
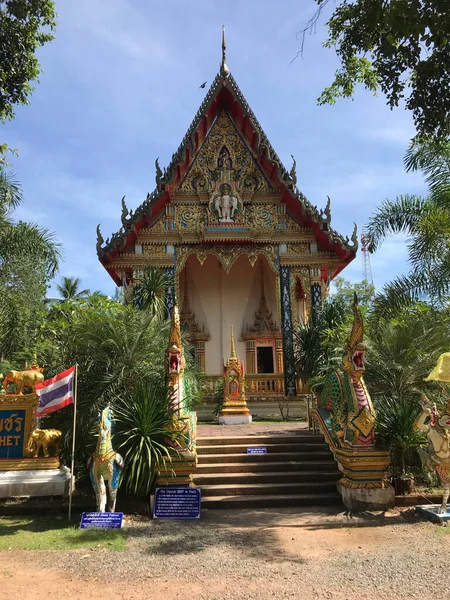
(23, 379)
(45, 439)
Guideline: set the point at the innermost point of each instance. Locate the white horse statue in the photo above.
(438, 433)
(105, 465)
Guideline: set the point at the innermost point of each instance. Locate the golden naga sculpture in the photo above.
(23, 379)
(44, 439)
(345, 395)
(436, 425)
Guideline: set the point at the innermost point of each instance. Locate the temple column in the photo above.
(279, 349)
(171, 291)
(200, 355)
(251, 357)
(286, 325)
(316, 293)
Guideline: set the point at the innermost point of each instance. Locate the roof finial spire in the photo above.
(224, 70)
(233, 351)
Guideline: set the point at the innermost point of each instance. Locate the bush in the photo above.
(144, 431)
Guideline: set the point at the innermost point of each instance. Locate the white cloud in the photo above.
(120, 87)
(400, 134)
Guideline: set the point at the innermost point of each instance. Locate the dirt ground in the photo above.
(255, 554)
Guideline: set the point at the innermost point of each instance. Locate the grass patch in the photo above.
(35, 533)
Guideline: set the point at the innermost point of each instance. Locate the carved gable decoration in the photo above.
(225, 160)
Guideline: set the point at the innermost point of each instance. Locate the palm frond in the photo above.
(33, 242)
(433, 158)
(400, 294)
(70, 289)
(145, 432)
(10, 191)
(150, 293)
(431, 241)
(401, 215)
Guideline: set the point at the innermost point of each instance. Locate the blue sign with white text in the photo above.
(12, 430)
(99, 520)
(177, 503)
(261, 450)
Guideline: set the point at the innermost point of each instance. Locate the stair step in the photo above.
(265, 467)
(269, 457)
(250, 440)
(268, 501)
(242, 448)
(257, 489)
(232, 479)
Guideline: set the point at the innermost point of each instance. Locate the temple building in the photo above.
(241, 244)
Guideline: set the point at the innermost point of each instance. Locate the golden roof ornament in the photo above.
(224, 70)
(233, 357)
(175, 332)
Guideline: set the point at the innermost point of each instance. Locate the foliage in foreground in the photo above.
(315, 341)
(24, 27)
(144, 417)
(117, 348)
(402, 353)
(399, 47)
(29, 258)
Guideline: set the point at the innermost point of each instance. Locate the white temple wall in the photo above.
(220, 299)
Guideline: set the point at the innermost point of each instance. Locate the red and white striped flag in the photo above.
(55, 393)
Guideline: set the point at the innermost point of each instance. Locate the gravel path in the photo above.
(255, 554)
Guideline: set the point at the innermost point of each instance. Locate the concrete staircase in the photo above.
(298, 470)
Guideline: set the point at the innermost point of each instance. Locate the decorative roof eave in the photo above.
(297, 203)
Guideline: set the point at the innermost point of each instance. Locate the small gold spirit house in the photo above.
(234, 408)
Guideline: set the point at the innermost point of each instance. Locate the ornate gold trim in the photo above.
(29, 464)
(227, 254)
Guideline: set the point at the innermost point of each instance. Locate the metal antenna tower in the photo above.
(365, 254)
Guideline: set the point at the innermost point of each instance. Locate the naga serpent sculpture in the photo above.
(345, 395)
(105, 465)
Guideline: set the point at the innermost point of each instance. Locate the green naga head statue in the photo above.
(353, 360)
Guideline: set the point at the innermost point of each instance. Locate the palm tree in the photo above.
(402, 351)
(116, 348)
(426, 221)
(29, 257)
(144, 427)
(70, 289)
(23, 240)
(319, 343)
(10, 192)
(150, 293)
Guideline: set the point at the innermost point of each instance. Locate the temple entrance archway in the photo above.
(213, 298)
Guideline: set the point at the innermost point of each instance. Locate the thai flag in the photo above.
(55, 393)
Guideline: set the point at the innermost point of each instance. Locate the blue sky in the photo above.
(121, 86)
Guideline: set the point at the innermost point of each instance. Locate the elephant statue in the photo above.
(45, 439)
(23, 379)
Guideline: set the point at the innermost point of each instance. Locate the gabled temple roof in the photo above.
(225, 95)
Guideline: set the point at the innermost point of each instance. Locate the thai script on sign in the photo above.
(13, 422)
(12, 431)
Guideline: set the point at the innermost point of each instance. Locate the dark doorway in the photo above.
(264, 356)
